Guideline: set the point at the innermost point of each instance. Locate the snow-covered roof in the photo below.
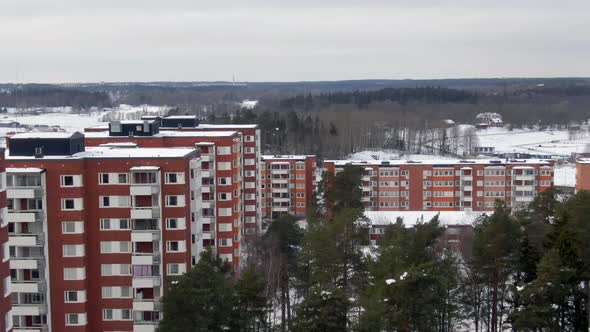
(120, 144)
(411, 218)
(116, 152)
(583, 161)
(41, 135)
(181, 117)
(228, 126)
(24, 170)
(168, 133)
(286, 157)
(144, 168)
(439, 162)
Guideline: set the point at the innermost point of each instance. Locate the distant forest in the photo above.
(333, 119)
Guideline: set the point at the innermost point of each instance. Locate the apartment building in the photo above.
(288, 182)
(449, 185)
(195, 132)
(95, 233)
(582, 174)
(5, 282)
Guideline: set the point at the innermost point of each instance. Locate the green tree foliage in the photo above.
(207, 298)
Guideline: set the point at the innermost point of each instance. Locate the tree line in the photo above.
(526, 270)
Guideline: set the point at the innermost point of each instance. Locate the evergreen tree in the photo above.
(250, 301)
(201, 299)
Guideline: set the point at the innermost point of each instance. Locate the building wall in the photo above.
(450, 187)
(5, 291)
(582, 175)
(147, 271)
(297, 175)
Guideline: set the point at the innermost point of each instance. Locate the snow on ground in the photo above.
(391, 155)
(551, 142)
(565, 176)
(249, 104)
(70, 121)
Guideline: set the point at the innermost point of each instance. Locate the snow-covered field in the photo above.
(552, 142)
(392, 154)
(70, 121)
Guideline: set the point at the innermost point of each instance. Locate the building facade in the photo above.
(449, 185)
(96, 232)
(582, 174)
(288, 182)
(5, 279)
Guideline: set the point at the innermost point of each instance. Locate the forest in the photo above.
(526, 270)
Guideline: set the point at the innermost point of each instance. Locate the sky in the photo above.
(69, 41)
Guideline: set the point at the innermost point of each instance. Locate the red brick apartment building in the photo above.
(95, 233)
(187, 131)
(288, 182)
(5, 282)
(582, 174)
(449, 185)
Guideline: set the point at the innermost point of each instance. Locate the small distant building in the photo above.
(9, 124)
(485, 150)
(490, 119)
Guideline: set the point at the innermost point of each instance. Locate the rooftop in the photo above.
(168, 133)
(286, 157)
(399, 162)
(34, 135)
(411, 218)
(228, 126)
(115, 152)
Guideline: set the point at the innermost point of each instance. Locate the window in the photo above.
(175, 246)
(174, 178)
(249, 138)
(75, 319)
(224, 166)
(113, 178)
(249, 149)
(71, 180)
(116, 292)
(115, 270)
(74, 273)
(114, 201)
(176, 268)
(225, 242)
(175, 223)
(223, 150)
(71, 204)
(224, 181)
(116, 314)
(224, 196)
(73, 250)
(224, 212)
(224, 227)
(114, 224)
(249, 162)
(115, 247)
(175, 200)
(72, 227)
(75, 296)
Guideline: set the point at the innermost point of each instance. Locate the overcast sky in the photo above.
(290, 40)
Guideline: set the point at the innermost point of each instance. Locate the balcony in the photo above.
(279, 171)
(21, 216)
(206, 204)
(146, 305)
(145, 326)
(29, 286)
(29, 310)
(26, 240)
(145, 258)
(145, 212)
(32, 328)
(280, 190)
(280, 181)
(282, 199)
(26, 263)
(27, 193)
(145, 282)
(523, 188)
(468, 188)
(143, 236)
(143, 190)
(280, 208)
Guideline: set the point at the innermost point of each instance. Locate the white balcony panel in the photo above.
(280, 171)
(20, 193)
(142, 260)
(28, 310)
(281, 200)
(22, 241)
(20, 217)
(280, 208)
(280, 190)
(143, 190)
(28, 264)
(205, 157)
(25, 287)
(523, 199)
(145, 282)
(467, 188)
(144, 236)
(205, 174)
(280, 181)
(144, 306)
(207, 236)
(206, 189)
(27, 329)
(524, 188)
(145, 327)
(147, 213)
(205, 204)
